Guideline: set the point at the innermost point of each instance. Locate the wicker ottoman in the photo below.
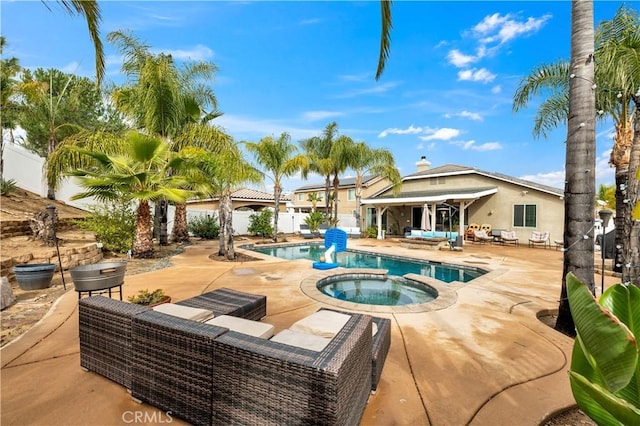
(225, 301)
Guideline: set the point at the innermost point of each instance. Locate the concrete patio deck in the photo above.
(485, 360)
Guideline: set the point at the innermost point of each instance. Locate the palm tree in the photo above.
(166, 100)
(278, 158)
(318, 150)
(138, 172)
(9, 89)
(607, 195)
(617, 78)
(206, 137)
(371, 161)
(227, 170)
(340, 158)
(580, 160)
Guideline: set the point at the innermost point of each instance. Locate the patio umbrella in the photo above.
(426, 223)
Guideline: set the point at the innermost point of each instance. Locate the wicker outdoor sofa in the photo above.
(206, 374)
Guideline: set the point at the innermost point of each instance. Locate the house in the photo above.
(346, 194)
(242, 199)
(450, 197)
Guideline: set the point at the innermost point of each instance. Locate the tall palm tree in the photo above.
(138, 172)
(227, 170)
(580, 160)
(279, 159)
(318, 150)
(166, 100)
(341, 157)
(373, 161)
(617, 78)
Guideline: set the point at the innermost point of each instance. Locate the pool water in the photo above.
(394, 265)
(385, 291)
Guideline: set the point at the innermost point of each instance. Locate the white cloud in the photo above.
(496, 89)
(444, 134)
(355, 77)
(198, 53)
(251, 128)
(459, 59)
(482, 75)
(554, 179)
(472, 145)
(466, 114)
(395, 131)
(429, 147)
(501, 29)
(320, 115)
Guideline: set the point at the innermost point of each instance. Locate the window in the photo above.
(300, 197)
(320, 195)
(440, 180)
(524, 215)
(351, 194)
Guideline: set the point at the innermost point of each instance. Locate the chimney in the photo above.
(423, 164)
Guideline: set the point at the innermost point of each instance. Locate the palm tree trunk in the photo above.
(142, 240)
(180, 231)
(620, 153)
(225, 208)
(221, 239)
(336, 187)
(580, 160)
(630, 261)
(277, 191)
(51, 146)
(358, 199)
(327, 196)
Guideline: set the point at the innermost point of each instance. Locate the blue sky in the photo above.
(296, 66)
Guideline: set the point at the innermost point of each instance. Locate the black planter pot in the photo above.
(34, 276)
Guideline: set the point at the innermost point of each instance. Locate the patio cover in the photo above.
(426, 197)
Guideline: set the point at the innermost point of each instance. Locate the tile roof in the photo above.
(344, 182)
(250, 194)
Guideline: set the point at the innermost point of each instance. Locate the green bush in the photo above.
(206, 227)
(7, 186)
(372, 232)
(146, 297)
(114, 226)
(260, 223)
(314, 220)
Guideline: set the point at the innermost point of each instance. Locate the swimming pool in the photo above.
(358, 259)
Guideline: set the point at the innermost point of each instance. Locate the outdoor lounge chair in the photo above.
(305, 232)
(471, 229)
(508, 237)
(538, 238)
(486, 228)
(482, 237)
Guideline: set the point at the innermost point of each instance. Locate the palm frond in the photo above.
(385, 36)
(544, 78)
(554, 111)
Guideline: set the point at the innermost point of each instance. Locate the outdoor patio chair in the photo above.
(225, 301)
(482, 237)
(509, 237)
(473, 227)
(305, 232)
(486, 228)
(539, 238)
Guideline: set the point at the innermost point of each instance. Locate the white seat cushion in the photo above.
(301, 340)
(322, 323)
(374, 328)
(244, 326)
(186, 312)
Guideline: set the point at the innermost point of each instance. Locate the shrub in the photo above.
(260, 223)
(146, 297)
(372, 232)
(206, 227)
(314, 220)
(113, 224)
(7, 186)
